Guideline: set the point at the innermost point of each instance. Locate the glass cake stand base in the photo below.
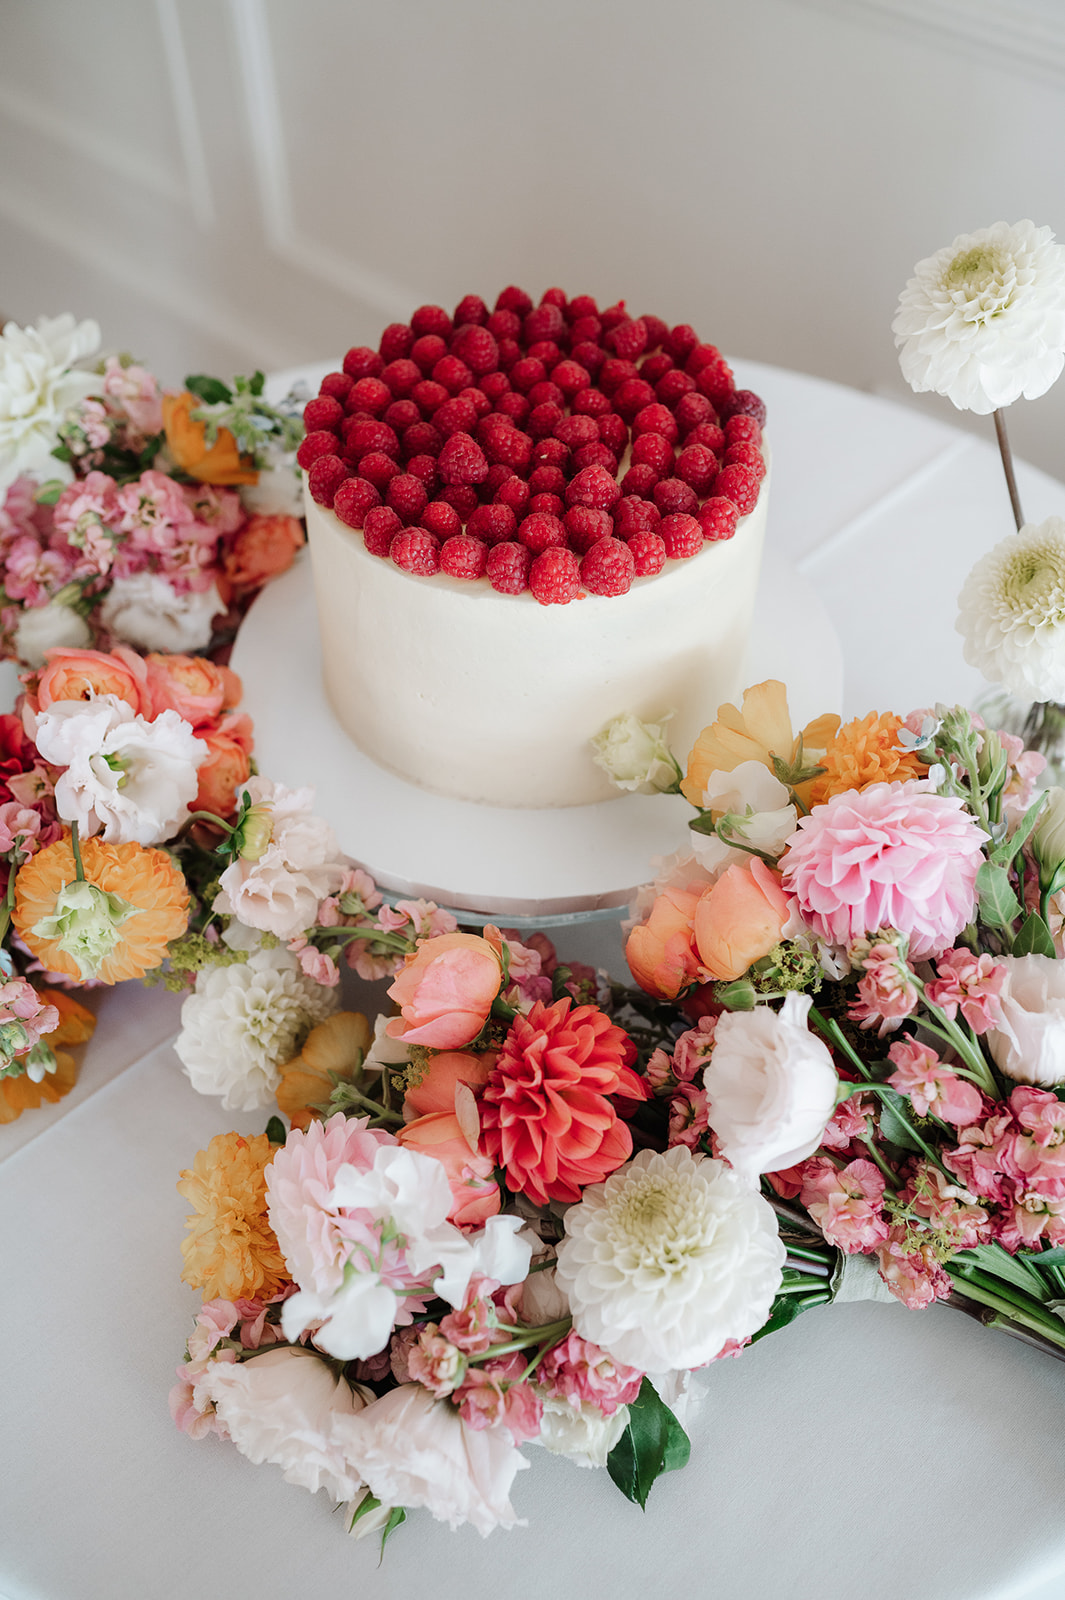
(524, 867)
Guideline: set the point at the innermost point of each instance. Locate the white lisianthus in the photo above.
(771, 1086)
(147, 610)
(126, 778)
(669, 1259)
(37, 386)
(245, 1021)
(582, 1433)
(49, 627)
(1012, 612)
(281, 890)
(636, 756)
(1029, 1043)
(983, 320)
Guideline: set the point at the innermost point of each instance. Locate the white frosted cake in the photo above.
(518, 533)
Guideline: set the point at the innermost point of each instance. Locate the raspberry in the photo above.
(455, 416)
(656, 419)
(672, 386)
(495, 385)
(718, 518)
(407, 496)
(697, 467)
(551, 503)
(613, 315)
(681, 535)
(715, 381)
(471, 309)
(547, 480)
(462, 497)
(546, 322)
(546, 393)
(702, 355)
(672, 495)
(654, 451)
(337, 385)
(512, 447)
(507, 566)
(539, 531)
(476, 347)
(744, 402)
(631, 397)
(628, 340)
(354, 498)
(543, 420)
(595, 455)
(582, 305)
(369, 394)
(680, 342)
(633, 515)
(692, 410)
(513, 299)
(509, 352)
(401, 414)
(585, 526)
(570, 377)
(462, 460)
(428, 396)
(592, 403)
(498, 474)
(593, 487)
(555, 577)
(415, 551)
(454, 374)
(513, 493)
(441, 519)
(708, 434)
(524, 373)
(377, 468)
(612, 431)
(362, 437)
(588, 355)
(575, 431)
(739, 429)
(396, 342)
(655, 368)
(423, 467)
(648, 553)
(380, 526)
(547, 351)
(640, 480)
(657, 331)
(477, 399)
(614, 372)
(746, 455)
(326, 475)
(512, 405)
(740, 486)
(608, 568)
(314, 445)
(463, 557)
(362, 362)
(431, 319)
(551, 452)
(586, 328)
(503, 325)
(322, 413)
(554, 297)
(492, 524)
(422, 439)
(427, 351)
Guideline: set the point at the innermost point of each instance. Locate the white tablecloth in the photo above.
(866, 1450)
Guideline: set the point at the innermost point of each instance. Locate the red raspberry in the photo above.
(703, 355)
(588, 355)
(648, 553)
(744, 402)
(555, 577)
(362, 362)
(614, 372)
(539, 531)
(588, 329)
(362, 437)
(498, 473)
(456, 415)
(428, 396)
(672, 386)
(427, 351)
(656, 419)
(492, 523)
(672, 495)
(416, 551)
(513, 493)
(407, 497)
(441, 519)
(422, 439)
(681, 535)
(471, 308)
(514, 299)
(502, 324)
(369, 394)
(746, 455)
(547, 351)
(509, 446)
(594, 455)
(546, 322)
(613, 315)
(354, 498)
(697, 467)
(582, 305)
(547, 480)
(546, 393)
(593, 487)
(657, 331)
(570, 377)
(509, 352)
(586, 526)
(507, 566)
(739, 429)
(454, 374)
(553, 504)
(322, 413)
(512, 405)
(708, 434)
(396, 341)
(680, 342)
(640, 480)
(692, 410)
(631, 397)
(495, 385)
(592, 403)
(524, 373)
(740, 485)
(652, 449)
(612, 431)
(462, 460)
(577, 430)
(337, 385)
(543, 420)
(475, 346)
(401, 414)
(379, 527)
(478, 400)
(554, 297)
(463, 557)
(715, 381)
(326, 475)
(608, 568)
(718, 518)
(314, 445)
(377, 468)
(633, 515)
(655, 368)
(429, 320)
(628, 340)
(423, 467)
(460, 495)
(551, 452)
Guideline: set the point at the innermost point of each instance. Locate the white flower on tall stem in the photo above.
(37, 385)
(1012, 612)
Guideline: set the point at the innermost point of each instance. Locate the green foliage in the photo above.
(654, 1442)
(212, 391)
(999, 906)
(1034, 938)
(275, 1131)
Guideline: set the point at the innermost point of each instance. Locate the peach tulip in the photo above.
(659, 951)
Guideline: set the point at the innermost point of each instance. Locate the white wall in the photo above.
(225, 183)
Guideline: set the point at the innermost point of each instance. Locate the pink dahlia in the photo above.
(894, 855)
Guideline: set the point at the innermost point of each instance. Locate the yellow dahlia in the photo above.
(865, 751)
(759, 732)
(231, 1251)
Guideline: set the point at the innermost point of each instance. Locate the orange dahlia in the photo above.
(76, 1025)
(116, 925)
(231, 1251)
(865, 751)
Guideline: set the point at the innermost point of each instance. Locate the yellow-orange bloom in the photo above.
(221, 463)
(336, 1046)
(231, 1251)
(758, 732)
(865, 751)
(146, 880)
(76, 1025)
(739, 919)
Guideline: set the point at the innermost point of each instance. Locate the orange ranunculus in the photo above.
(865, 751)
(264, 547)
(659, 951)
(231, 1251)
(194, 687)
(474, 1195)
(335, 1046)
(186, 439)
(76, 1025)
(147, 880)
(446, 1070)
(739, 919)
(759, 732)
(445, 991)
(83, 674)
(226, 766)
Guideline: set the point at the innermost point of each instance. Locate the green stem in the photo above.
(998, 1302)
(881, 1163)
(208, 816)
(341, 936)
(834, 1034)
(75, 845)
(549, 1334)
(353, 1094)
(1007, 466)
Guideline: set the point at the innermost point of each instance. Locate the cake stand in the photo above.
(486, 863)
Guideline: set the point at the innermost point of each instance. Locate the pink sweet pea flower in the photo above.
(931, 1087)
(970, 983)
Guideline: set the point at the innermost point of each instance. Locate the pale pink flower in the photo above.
(931, 1088)
(215, 1321)
(493, 1396)
(137, 392)
(846, 1204)
(86, 514)
(886, 990)
(851, 1122)
(20, 1003)
(914, 1276)
(1030, 1221)
(970, 983)
(152, 511)
(1035, 1153)
(281, 891)
(434, 1361)
(894, 855)
(20, 828)
(318, 965)
(580, 1372)
(219, 509)
(977, 1159)
(659, 1069)
(34, 575)
(191, 1407)
(475, 1326)
(95, 423)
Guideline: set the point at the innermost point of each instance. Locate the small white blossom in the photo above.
(1012, 612)
(37, 386)
(636, 756)
(147, 610)
(49, 627)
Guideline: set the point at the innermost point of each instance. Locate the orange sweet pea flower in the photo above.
(338, 1046)
(759, 732)
(221, 463)
(739, 919)
(659, 951)
(446, 990)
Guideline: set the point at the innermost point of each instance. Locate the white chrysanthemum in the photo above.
(983, 321)
(146, 610)
(37, 386)
(669, 1259)
(1012, 612)
(244, 1022)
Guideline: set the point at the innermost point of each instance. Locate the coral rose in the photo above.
(739, 919)
(194, 687)
(446, 1070)
(446, 990)
(85, 674)
(227, 765)
(659, 951)
(474, 1194)
(545, 1115)
(261, 549)
(186, 437)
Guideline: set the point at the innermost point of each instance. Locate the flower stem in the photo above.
(79, 870)
(1007, 466)
(549, 1334)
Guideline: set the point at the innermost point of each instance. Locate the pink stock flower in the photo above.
(152, 511)
(886, 990)
(894, 855)
(20, 828)
(434, 1361)
(956, 1220)
(1030, 1221)
(137, 392)
(850, 1122)
(970, 983)
(580, 1372)
(317, 965)
(847, 1204)
(692, 1049)
(493, 1396)
(689, 1115)
(219, 509)
(475, 1327)
(914, 1276)
(977, 1159)
(1035, 1153)
(20, 1002)
(34, 575)
(659, 1069)
(932, 1088)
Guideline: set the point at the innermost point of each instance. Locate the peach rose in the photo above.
(186, 439)
(474, 1194)
(83, 674)
(192, 686)
(659, 951)
(445, 991)
(262, 548)
(226, 766)
(739, 919)
(446, 1070)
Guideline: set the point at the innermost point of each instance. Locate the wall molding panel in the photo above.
(1025, 36)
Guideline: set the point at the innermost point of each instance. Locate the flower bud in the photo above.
(1048, 842)
(635, 755)
(256, 831)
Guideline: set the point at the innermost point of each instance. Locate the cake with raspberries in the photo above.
(524, 521)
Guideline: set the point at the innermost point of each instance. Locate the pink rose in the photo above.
(446, 990)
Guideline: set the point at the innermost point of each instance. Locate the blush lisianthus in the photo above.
(669, 1259)
(280, 891)
(894, 856)
(983, 320)
(1011, 612)
(1028, 1042)
(230, 1250)
(38, 382)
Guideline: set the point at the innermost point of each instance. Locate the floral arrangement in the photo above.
(130, 515)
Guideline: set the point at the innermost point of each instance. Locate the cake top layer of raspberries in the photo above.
(594, 446)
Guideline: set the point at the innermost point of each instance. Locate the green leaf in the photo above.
(49, 492)
(785, 1309)
(256, 382)
(1034, 938)
(998, 903)
(395, 1517)
(654, 1442)
(1004, 853)
(212, 391)
(703, 823)
(368, 1503)
(1018, 1270)
(1047, 1258)
(275, 1131)
(895, 1124)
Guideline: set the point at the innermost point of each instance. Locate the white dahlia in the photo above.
(983, 321)
(37, 386)
(244, 1022)
(1012, 612)
(669, 1259)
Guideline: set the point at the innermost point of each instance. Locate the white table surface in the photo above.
(866, 1451)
